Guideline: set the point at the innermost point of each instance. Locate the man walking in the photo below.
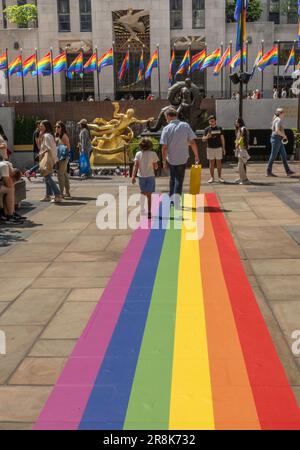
(214, 137)
(176, 138)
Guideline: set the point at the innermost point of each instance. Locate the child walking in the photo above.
(241, 150)
(145, 163)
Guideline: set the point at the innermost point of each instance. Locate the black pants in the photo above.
(177, 174)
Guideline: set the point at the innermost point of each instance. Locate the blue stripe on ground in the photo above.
(108, 403)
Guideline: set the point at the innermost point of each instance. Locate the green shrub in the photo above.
(21, 15)
(24, 129)
(134, 146)
(254, 10)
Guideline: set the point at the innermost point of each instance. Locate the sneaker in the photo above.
(13, 220)
(221, 180)
(244, 182)
(271, 174)
(17, 216)
(57, 200)
(67, 197)
(290, 172)
(46, 199)
(237, 181)
(211, 180)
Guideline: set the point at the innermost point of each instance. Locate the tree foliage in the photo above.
(22, 15)
(254, 10)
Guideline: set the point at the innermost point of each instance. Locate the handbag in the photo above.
(46, 164)
(84, 164)
(62, 152)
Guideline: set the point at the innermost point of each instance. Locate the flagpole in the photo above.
(262, 72)
(52, 75)
(7, 76)
(37, 76)
(83, 86)
(230, 71)
(22, 74)
(144, 77)
(67, 78)
(222, 73)
(158, 71)
(242, 61)
(129, 67)
(98, 78)
(294, 48)
(247, 51)
(278, 67)
(114, 70)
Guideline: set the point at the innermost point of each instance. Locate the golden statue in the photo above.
(111, 137)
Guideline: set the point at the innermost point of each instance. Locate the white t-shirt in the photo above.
(4, 169)
(146, 160)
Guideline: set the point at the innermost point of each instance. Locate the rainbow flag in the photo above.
(189, 351)
(124, 66)
(107, 59)
(140, 75)
(211, 60)
(60, 63)
(290, 61)
(29, 65)
(153, 63)
(44, 65)
(197, 60)
(76, 66)
(239, 15)
(224, 61)
(172, 65)
(91, 64)
(185, 65)
(236, 59)
(3, 62)
(257, 59)
(15, 66)
(269, 58)
(299, 23)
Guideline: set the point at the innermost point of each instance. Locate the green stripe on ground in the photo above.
(150, 395)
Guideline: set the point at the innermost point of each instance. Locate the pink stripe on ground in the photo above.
(66, 404)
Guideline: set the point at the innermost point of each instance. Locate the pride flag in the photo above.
(153, 63)
(236, 59)
(185, 65)
(15, 66)
(107, 59)
(60, 63)
(124, 67)
(140, 75)
(91, 64)
(44, 65)
(290, 61)
(257, 59)
(211, 60)
(240, 15)
(197, 60)
(29, 65)
(76, 66)
(172, 65)
(191, 352)
(268, 59)
(224, 61)
(3, 61)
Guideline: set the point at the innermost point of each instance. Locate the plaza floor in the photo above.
(115, 329)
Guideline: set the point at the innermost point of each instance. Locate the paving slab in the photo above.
(79, 269)
(288, 316)
(84, 295)
(22, 403)
(20, 270)
(34, 252)
(52, 348)
(88, 244)
(278, 267)
(38, 371)
(11, 288)
(69, 282)
(54, 237)
(278, 287)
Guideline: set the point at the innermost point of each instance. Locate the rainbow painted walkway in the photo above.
(176, 342)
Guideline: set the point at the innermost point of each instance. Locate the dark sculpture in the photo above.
(186, 97)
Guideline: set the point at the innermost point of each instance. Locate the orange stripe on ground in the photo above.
(234, 406)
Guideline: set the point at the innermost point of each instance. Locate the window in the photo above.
(85, 15)
(198, 13)
(175, 14)
(274, 11)
(63, 13)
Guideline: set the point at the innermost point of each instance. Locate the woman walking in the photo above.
(48, 158)
(241, 150)
(63, 153)
(277, 137)
(85, 145)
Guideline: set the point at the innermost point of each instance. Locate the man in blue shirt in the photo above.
(176, 138)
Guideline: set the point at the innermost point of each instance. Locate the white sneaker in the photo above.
(211, 180)
(221, 180)
(245, 182)
(237, 181)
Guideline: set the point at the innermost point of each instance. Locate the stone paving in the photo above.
(54, 268)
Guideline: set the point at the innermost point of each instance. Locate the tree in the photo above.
(22, 15)
(288, 7)
(254, 10)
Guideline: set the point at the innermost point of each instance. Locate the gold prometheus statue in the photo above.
(111, 137)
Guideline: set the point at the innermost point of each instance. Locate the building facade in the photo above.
(142, 24)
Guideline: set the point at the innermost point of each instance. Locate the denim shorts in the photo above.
(147, 184)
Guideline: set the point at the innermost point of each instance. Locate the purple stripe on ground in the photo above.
(66, 404)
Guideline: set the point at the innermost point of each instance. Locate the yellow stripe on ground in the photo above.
(191, 404)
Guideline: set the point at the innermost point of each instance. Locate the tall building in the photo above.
(76, 24)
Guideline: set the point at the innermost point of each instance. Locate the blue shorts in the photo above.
(147, 184)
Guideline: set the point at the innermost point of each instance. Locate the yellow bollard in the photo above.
(195, 180)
